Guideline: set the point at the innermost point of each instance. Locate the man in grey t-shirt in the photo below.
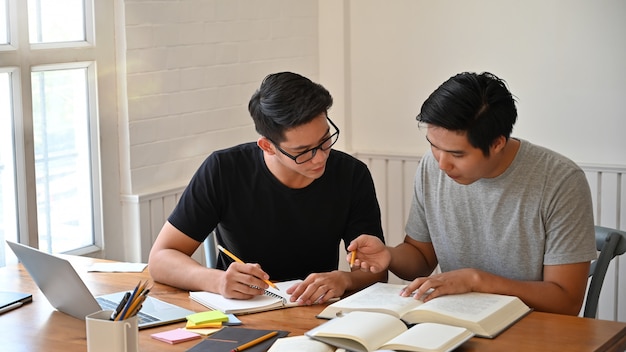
(497, 214)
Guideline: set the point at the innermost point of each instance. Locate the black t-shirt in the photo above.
(290, 232)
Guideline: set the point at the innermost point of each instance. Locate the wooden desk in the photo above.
(38, 327)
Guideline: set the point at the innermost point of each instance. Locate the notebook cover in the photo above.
(8, 298)
(230, 337)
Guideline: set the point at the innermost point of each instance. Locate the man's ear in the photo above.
(266, 145)
(498, 144)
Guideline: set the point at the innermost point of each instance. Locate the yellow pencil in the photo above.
(254, 342)
(135, 304)
(352, 258)
(124, 313)
(234, 257)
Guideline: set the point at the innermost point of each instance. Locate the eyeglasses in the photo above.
(310, 153)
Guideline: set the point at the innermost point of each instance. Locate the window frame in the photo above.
(21, 58)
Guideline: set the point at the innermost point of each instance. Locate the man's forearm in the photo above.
(176, 269)
(408, 263)
(361, 279)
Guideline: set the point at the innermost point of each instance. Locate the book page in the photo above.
(472, 306)
(485, 314)
(429, 337)
(300, 343)
(379, 297)
(359, 331)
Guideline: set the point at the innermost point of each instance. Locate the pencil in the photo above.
(134, 294)
(135, 301)
(234, 257)
(254, 342)
(352, 258)
(134, 309)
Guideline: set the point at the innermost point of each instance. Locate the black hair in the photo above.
(286, 100)
(478, 104)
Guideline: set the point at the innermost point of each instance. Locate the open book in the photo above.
(484, 314)
(301, 343)
(272, 299)
(371, 331)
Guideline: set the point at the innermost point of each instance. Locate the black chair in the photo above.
(611, 243)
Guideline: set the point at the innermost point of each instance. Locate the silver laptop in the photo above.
(66, 291)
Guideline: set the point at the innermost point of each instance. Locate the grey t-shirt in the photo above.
(538, 212)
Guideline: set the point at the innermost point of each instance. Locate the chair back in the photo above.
(210, 250)
(611, 243)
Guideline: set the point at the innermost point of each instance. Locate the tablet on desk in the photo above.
(12, 300)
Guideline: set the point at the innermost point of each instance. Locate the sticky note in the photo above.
(207, 317)
(175, 336)
(204, 331)
(210, 324)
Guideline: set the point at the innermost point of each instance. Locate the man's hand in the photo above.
(243, 281)
(371, 254)
(319, 287)
(451, 282)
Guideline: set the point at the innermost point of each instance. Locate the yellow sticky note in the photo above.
(210, 316)
(211, 324)
(205, 332)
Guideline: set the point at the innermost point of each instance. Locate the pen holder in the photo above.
(105, 335)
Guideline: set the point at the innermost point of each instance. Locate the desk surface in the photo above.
(38, 327)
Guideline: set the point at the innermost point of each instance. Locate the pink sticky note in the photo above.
(175, 336)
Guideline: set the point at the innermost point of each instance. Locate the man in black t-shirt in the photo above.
(283, 203)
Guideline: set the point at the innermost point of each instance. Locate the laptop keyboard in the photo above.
(142, 318)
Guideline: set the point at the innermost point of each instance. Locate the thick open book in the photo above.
(272, 299)
(484, 314)
(371, 331)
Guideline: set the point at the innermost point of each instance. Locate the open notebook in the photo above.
(272, 299)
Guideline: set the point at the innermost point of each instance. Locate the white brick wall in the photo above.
(192, 66)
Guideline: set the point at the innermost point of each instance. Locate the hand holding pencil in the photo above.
(234, 257)
(368, 253)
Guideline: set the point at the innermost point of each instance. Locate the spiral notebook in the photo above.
(272, 299)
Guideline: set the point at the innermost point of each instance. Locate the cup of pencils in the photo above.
(106, 335)
(117, 330)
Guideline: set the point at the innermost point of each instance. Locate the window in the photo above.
(50, 190)
(8, 210)
(56, 21)
(62, 147)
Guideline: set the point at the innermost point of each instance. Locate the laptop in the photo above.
(66, 291)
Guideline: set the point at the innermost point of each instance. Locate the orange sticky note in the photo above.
(192, 325)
